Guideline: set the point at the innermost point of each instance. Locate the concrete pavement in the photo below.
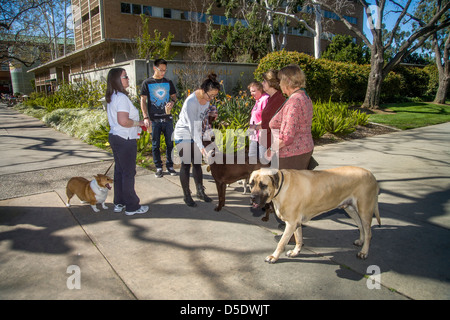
(177, 252)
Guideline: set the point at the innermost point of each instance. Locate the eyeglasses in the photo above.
(163, 71)
(124, 77)
(209, 97)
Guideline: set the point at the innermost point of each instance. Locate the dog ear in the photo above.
(275, 180)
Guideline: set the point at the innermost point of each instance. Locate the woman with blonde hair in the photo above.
(291, 125)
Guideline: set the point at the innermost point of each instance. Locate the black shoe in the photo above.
(202, 195)
(158, 173)
(171, 171)
(189, 201)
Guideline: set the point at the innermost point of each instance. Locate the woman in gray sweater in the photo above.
(188, 134)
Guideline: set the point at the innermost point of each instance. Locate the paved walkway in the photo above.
(177, 252)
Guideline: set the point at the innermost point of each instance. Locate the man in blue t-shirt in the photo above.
(157, 95)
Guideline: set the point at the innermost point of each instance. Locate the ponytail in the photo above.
(210, 83)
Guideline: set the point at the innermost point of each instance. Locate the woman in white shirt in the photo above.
(188, 136)
(125, 126)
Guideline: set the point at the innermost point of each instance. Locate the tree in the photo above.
(290, 11)
(51, 23)
(343, 49)
(15, 31)
(243, 40)
(149, 47)
(439, 43)
(375, 15)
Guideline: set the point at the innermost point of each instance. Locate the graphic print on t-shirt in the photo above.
(159, 95)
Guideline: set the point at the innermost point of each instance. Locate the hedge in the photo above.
(347, 82)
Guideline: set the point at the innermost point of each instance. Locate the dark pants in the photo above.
(190, 154)
(125, 152)
(299, 162)
(159, 128)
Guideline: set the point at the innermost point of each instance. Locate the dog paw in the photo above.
(292, 253)
(217, 208)
(104, 206)
(362, 255)
(271, 259)
(358, 242)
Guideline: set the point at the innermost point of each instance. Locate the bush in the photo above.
(335, 118)
(390, 89)
(347, 82)
(84, 94)
(80, 123)
(414, 81)
(433, 83)
(318, 80)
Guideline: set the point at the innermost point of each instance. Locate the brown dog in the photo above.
(227, 173)
(93, 192)
(300, 195)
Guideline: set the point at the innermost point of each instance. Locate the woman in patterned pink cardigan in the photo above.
(291, 125)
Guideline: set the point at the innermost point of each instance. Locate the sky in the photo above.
(389, 17)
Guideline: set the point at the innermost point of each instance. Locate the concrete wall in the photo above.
(234, 76)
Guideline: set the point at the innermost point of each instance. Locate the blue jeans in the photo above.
(159, 128)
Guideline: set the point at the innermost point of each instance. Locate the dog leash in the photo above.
(282, 181)
(109, 168)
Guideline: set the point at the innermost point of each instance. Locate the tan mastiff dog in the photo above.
(300, 195)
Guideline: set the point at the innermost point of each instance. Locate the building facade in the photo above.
(105, 33)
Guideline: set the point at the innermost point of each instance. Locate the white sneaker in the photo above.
(142, 209)
(118, 207)
(159, 173)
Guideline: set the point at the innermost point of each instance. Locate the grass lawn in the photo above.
(410, 115)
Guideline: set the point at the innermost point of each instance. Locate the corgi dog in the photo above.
(92, 192)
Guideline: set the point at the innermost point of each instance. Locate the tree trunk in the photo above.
(373, 93)
(318, 28)
(444, 70)
(441, 94)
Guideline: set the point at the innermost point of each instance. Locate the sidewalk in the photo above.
(177, 252)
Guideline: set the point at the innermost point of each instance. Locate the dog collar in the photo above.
(282, 180)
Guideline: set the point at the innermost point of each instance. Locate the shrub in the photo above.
(318, 80)
(348, 80)
(335, 118)
(414, 81)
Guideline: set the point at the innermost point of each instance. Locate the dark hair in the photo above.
(210, 83)
(158, 62)
(114, 83)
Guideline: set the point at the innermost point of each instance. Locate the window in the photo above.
(177, 14)
(85, 17)
(351, 19)
(94, 11)
(167, 13)
(137, 9)
(147, 10)
(157, 12)
(125, 7)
